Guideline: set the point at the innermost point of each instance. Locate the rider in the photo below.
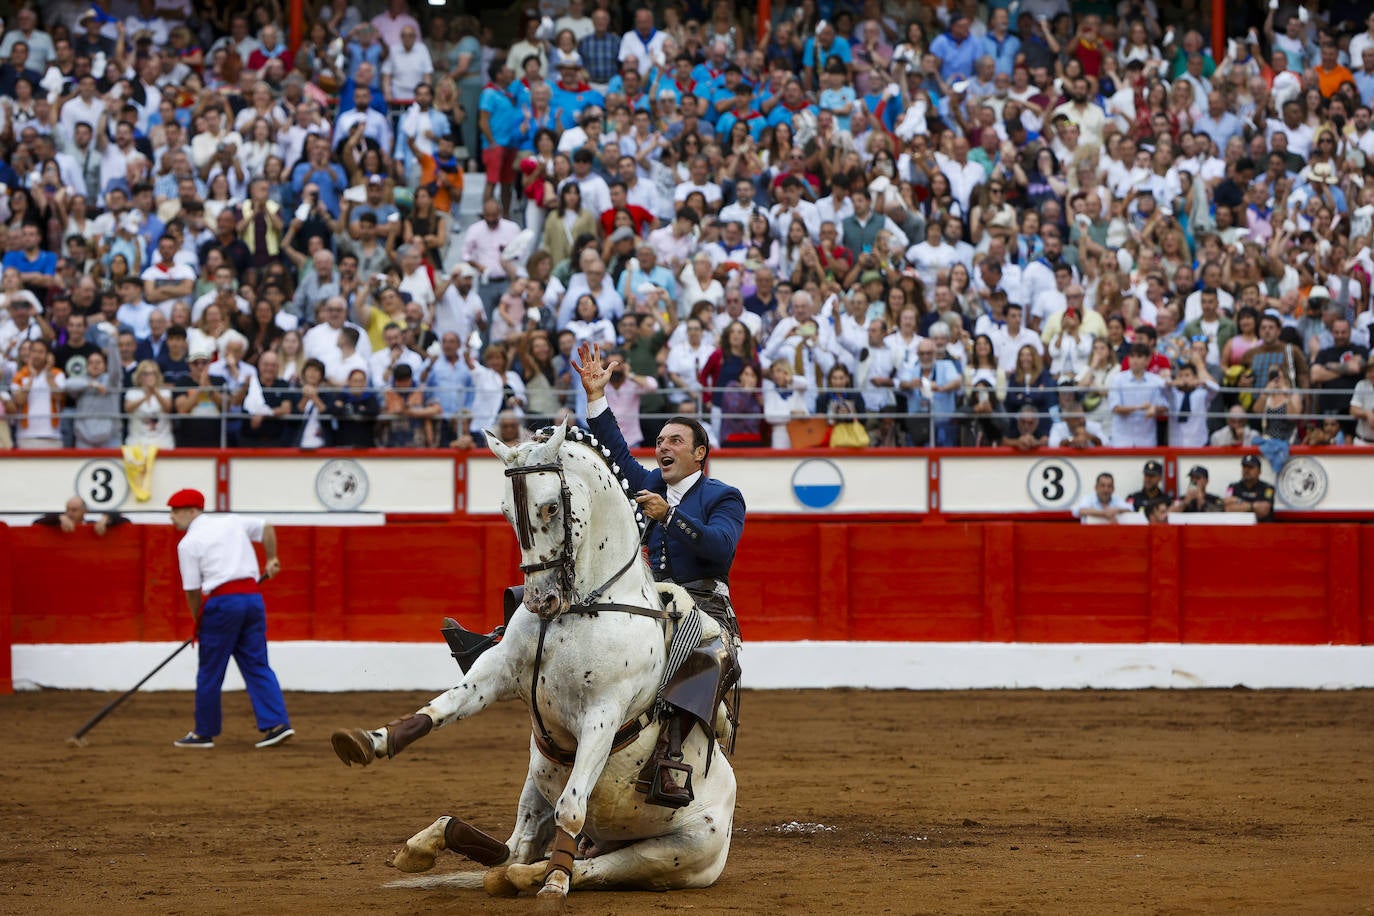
(696, 527)
(699, 519)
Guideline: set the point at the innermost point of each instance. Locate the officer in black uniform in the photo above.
(1196, 498)
(1250, 494)
(1151, 492)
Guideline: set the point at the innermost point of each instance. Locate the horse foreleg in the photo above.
(489, 680)
(533, 818)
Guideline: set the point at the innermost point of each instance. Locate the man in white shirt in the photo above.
(792, 207)
(322, 341)
(1299, 133)
(596, 194)
(219, 573)
(744, 207)
(643, 43)
(963, 175)
(407, 66)
(593, 281)
(1102, 503)
(1137, 401)
(735, 311)
(459, 309)
(1008, 339)
(575, 20)
(394, 353)
(165, 282)
(1086, 114)
(698, 179)
(1190, 397)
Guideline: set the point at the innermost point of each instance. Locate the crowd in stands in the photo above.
(877, 223)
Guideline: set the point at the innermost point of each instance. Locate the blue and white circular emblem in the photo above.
(817, 483)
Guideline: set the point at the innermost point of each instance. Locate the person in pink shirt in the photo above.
(623, 395)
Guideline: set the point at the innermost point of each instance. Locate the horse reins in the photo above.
(565, 564)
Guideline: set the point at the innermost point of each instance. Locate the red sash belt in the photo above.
(235, 587)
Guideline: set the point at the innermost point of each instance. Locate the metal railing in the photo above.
(918, 424)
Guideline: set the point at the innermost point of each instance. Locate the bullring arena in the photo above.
(953, 797)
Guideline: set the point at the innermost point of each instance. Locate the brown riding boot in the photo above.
(665, 779)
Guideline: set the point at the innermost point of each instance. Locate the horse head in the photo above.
(548, 514)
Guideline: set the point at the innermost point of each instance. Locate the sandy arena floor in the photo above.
(851, 802)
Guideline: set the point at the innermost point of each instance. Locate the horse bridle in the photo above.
(565, 562)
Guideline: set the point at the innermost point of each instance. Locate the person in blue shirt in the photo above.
(500, 121)
(571, 94)
(932, 386)
(721, 91)
(793, 102)
(37, 268)
(819, 50)
(743, 96)
(957, 50)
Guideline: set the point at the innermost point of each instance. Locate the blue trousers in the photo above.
(236, 625)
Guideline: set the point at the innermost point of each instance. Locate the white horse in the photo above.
(586, 650)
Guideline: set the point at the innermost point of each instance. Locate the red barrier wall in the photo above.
(793, 579)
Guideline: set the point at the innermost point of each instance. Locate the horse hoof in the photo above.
(413, 861)
(353, 745)
(497, 883)
(552, 901)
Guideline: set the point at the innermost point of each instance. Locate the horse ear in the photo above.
(560, 433)
(498, 448)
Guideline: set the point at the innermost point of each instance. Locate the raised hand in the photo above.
(595, 377)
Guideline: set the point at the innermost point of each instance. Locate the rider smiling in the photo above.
(700, 519)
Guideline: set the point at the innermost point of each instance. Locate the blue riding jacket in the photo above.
(703, 532)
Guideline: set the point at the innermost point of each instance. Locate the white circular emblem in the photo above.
(1302, 484)
(101, 484)
(817, 483)
(341, 485)
(1053, 484)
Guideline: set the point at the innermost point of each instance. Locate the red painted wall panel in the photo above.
(794, 579)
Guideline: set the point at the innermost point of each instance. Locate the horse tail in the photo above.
(470, 880)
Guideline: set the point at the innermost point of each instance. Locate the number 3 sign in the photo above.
(1053, 484)
(102, 484)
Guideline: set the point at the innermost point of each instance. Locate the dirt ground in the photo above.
(850, 801)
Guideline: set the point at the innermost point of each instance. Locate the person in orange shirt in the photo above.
(441, 171)
(37, 392)
(1330, 74)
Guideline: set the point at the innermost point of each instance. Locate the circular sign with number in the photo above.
(1053, 484)
(101, 484)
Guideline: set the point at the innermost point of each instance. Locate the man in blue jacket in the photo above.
(696, 527)
(698, 519)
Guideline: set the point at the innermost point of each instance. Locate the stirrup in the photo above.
(669, 785)
(466, 646)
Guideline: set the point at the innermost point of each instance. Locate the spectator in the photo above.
(73, 517)
(1103, 502)
(1137, 401)
(96, 393)
(1362, 407)
(37, 392)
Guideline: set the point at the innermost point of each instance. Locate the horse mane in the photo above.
(580, 436)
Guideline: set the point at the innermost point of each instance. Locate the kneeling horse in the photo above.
(590, 650)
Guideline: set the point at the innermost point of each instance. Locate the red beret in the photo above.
(187, 499)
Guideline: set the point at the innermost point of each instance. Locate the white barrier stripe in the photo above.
(340, 666)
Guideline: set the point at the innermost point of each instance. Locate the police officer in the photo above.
(1196, 498)
(1250, 494)
(1151, 492)
(219, 572)
(698, 519)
